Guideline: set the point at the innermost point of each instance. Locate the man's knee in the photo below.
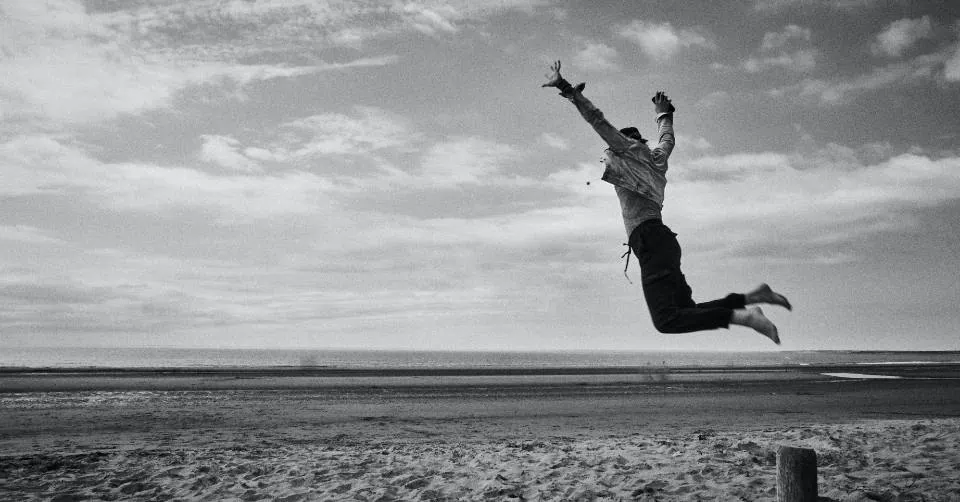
(666, 322)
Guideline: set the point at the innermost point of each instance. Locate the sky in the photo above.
(391, 175)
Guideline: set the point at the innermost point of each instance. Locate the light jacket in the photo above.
(630, 163)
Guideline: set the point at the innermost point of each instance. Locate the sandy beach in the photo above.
(545, 435)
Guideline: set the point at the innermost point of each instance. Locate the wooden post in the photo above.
(796, 475)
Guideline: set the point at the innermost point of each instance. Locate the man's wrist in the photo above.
(564, 86)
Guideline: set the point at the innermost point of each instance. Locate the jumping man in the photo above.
(639, 176)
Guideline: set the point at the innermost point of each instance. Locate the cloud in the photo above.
(27, 234)
(463, 160)
(774, 41)
(65, 65)
(310, 160)
(773, 5)
(368, 129)
(785, 49)
(901, 35)
(155, 189)
(429, 20)
(348, 147)
(358, 150)
(951, 68)
(291, 26)
(831, 197)
(432, 16)
(554, 141)
(223, 151)
(942, 65)
(801, 61)
(597, 56)
(661, 40)
(42, 164)
(696, 142)
(60, 305)
(730, 167)
(714, 99)
(832, 91)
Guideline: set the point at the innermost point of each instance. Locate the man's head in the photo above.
(633, 132)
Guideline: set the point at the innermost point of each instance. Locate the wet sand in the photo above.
(584, 434)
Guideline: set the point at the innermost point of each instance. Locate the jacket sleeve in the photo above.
(667, 140)
(594, 117)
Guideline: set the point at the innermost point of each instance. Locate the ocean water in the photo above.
(33, 357)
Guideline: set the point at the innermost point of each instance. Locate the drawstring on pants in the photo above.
(627, 264)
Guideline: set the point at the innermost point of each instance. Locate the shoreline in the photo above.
(170, 379)
(777, 398)
(481, 369)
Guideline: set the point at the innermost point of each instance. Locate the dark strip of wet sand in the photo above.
(15, 380)
(36, 405)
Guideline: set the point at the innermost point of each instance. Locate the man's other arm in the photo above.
(667, 140)
(664, 110)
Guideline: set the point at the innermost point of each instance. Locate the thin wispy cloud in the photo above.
(465, 160)
(554, 141)
(366, 130)
(789, 48)
(27, 234)
(46, 165)
(951, 68)
(928, 67)
(778, 5)
(596, 57)
(695, 142)
(901, 35)
(661, 41)
(65, 65)
(831, 188)
(224, 152)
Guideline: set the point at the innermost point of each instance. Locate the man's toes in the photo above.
(770, 331)
(782, 300)
(774, 335)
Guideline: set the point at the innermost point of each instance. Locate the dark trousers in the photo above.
(668, 296)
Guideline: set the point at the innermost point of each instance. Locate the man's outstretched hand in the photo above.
(661, 103)
(554, 79)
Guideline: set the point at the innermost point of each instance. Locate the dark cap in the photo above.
(632, 132)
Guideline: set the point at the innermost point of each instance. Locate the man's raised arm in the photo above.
(666, 140)
(590, 113)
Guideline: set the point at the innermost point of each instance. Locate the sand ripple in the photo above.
(881, 460)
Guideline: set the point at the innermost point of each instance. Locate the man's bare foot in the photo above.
(753, 318)
(763, 294)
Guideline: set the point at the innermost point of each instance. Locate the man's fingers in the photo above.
(660, 97)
